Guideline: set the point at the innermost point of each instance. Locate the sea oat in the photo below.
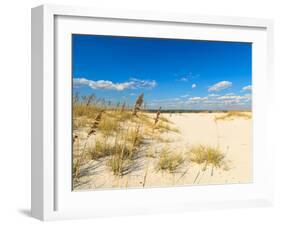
(89, 99)
(157, 116)
(95, 124)
(123, 107)
(138, 104)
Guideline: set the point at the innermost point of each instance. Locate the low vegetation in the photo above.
(208, 156)
(169, 161)
(234, 114)
(115, 133)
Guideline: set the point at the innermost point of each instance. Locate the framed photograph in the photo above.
(136, 113)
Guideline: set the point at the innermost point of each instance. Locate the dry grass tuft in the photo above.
(100, 149)
(164, 119)
(165, 127)
(234, 114)
(123, 116)
(150, 153)
(208, 156)
(108, 126)
(119, 159)
(81, 110)
(125, 148)
(169, 161)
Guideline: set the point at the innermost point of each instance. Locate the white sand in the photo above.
(233, 137)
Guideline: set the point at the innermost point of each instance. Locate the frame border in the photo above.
(43, 120)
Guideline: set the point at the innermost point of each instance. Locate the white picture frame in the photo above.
(52, 200)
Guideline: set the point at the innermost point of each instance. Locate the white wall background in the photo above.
(15, 111)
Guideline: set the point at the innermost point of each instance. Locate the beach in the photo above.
(170, 155)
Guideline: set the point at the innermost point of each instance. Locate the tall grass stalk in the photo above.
(138, 104)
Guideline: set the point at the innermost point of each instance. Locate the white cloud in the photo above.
(166, 100)
(133, 83)
(184, 96)
(247, 88)
(193, 86)
(184, 79)
(197, 98)
(247, 97)
(188, 77)
(229, 97)
(138, 83)
(235, 98)
(211, 101)
(220, 86)
(213, 95)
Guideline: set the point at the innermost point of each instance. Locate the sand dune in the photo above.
(233, 137)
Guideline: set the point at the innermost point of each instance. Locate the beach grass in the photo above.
(230, 115)
(169, 161)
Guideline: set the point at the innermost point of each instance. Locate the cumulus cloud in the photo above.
(188, 77)
(235, 98)
(213, 95)
(185, 95)
(229, 97)
(133, 83)
(230, 94)
(193, 86)
(247, 88)
(211, 101)
(198, 98)
(220, 86)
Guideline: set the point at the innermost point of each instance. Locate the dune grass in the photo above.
(125, 148)
(82, 110)
(169, 161)
(80, 122)
(164, 119)
(115, 134)
(100, 149)
(165, 127)
(208, 156)
(108, 126)
(234, 114)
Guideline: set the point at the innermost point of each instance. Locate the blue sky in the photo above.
(173, 74)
